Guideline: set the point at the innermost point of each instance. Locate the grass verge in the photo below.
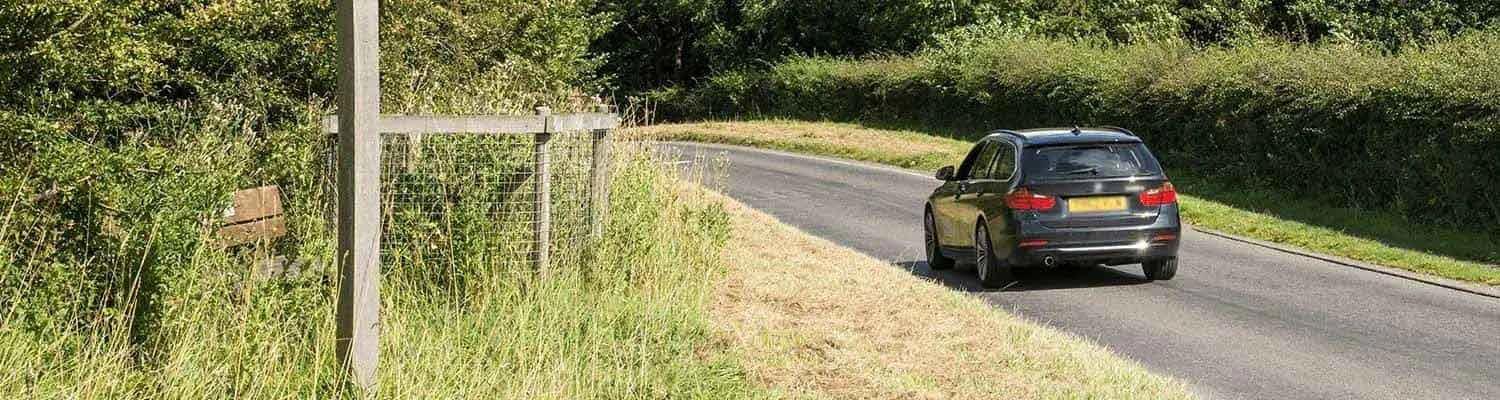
(811, 319)
(1369, 236)
(902, 148)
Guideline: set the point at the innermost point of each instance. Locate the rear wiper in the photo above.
(1094, 170)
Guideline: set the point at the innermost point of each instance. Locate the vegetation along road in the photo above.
(1239, 321)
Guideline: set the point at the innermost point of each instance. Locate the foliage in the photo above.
(1389, 22)
(1414, 133)
(679, 42)
(662, 42)
(658, 42)
(1392, 24)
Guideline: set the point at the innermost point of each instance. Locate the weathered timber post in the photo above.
(542, 224)
(358, 335)
(599, 179)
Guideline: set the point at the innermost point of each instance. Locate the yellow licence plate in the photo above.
(1096, 204)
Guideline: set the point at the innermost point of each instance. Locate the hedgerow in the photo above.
(682, 42)
(1416, 132)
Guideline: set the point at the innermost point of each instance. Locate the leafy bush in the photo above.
(1415, 132)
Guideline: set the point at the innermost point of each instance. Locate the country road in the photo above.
(1240, 321)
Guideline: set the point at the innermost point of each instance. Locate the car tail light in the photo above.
(1032, 243)
(1166, 194)
(1024, 200)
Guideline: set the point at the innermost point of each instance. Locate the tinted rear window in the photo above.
(1086, 161)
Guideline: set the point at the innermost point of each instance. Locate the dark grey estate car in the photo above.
(1045, 197)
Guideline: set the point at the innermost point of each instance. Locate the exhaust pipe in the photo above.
(1049, 261)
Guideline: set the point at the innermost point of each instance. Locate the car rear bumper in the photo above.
(1108, 245)
(1118, 253)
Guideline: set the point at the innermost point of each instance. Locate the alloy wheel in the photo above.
(930, 234)
(981, 253)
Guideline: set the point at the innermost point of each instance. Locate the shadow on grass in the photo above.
(962, 278)
(1387, 228)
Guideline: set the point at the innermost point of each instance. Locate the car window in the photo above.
(1089, 161)
(969, 160)
(963, 168)
(982, 163)
(1005, 163)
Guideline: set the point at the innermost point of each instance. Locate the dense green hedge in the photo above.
(1417, 133)
(660, 43)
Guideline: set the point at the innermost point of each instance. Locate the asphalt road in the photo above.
(1239, 321)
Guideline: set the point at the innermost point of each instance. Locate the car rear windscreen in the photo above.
(1087, 161)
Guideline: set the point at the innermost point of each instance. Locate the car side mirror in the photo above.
(945, 173)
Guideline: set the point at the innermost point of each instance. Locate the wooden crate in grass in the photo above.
(255, 216)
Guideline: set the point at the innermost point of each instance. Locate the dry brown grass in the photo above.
(908, 149)
(816, 320)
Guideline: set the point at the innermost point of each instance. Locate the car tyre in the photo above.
(1160, 270)
(992, 271)
(935, 258)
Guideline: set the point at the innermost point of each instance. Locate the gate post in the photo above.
(358, 334)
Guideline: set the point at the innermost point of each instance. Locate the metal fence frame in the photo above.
(359, 125)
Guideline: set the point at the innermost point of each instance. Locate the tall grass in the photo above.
(624, 319)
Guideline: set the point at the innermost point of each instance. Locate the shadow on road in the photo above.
(962, 278)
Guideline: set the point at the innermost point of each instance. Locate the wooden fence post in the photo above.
(358, 314)
(599, 170)
(542, 224)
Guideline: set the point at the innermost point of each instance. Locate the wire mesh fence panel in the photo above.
(455, 206)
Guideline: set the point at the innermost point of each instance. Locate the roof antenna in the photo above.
(1076, 130)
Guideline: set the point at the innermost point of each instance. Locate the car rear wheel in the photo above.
(1160, 270)
(935, 258)
(992, 270)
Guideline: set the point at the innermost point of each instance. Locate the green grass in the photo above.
(904, 148)
(1304, 221)
(1370, 236)
(625, 318)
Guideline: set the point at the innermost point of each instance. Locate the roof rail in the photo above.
(1118, 129)
(1008, 132)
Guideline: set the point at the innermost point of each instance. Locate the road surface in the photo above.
(1239, 321)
